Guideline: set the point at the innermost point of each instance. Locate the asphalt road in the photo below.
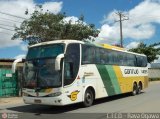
(147, 102)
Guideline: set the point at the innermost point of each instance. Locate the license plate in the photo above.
(37, 101)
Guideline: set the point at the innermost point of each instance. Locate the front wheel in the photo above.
(88, 98)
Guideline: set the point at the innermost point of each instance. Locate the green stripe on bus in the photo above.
(106, 79)
(113, 78)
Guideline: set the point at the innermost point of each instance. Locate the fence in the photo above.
(8, 83)
(154, 73)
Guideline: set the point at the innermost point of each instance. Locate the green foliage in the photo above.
(46, 26)
(150, 51)
(154, 79)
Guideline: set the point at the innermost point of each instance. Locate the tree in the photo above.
(150, 51)
(46, 26)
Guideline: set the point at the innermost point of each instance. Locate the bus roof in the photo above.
(107, 46)
(67, 41)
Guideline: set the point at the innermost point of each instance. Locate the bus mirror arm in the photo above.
(58, 62)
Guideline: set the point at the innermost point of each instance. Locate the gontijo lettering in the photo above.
(131, 71)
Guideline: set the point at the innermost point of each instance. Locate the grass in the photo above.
(154, 79)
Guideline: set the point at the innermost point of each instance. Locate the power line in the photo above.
(6, 25)
(5, 33)
(10, 20)
(148, 16)
(6, 28)
(12, 15)
(122, 17)
(145, 19)
(7, 21)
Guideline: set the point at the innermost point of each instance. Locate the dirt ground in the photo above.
(10, 100)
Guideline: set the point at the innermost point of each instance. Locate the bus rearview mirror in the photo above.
(58, 62)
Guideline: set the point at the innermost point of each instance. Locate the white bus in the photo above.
(64, 72)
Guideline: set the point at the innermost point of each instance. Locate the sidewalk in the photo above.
(10, 100)
(154, 82)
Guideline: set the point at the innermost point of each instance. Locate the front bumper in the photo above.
(43, 100)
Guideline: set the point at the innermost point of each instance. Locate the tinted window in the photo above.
(141, 61)
(88, 54)
(104, 56)
(121, 58)
(45, 51)
(96, 55)
(128, 59)
(71, 63)
(131, 60)
(115, 58)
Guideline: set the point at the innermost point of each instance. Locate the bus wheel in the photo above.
(88, 98)
(134, 92)
(139, 89)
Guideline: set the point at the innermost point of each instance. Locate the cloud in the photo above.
(107, 34)
(72, 20)
(18, 8)
(20, 56)
(157, 60)
(139, 26)
(24, 47)
(54, 7)
(132, 45)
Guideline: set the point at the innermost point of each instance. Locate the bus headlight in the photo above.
(55, 94)
(25, 94)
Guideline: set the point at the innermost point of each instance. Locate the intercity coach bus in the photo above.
(65, 72)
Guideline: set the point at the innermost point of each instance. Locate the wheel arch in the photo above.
(93, 90)
(135, 82)
(141, 84)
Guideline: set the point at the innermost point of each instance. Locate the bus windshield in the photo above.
(45, 51)
(39, 68)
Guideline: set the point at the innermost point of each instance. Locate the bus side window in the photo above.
(97, 56)
(85, 54)
(131, 60)
(69, 70)
(141, 61)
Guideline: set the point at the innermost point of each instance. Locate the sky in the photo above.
(143, 24)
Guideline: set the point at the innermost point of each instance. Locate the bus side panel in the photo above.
(91, 77)
(109, 79)
(73, 93)
(124, 84)
(128, 75)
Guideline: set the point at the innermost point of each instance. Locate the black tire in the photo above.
(88, 98)
(134, 92)
(139, 88)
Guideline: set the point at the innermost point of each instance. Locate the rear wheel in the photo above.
(134, 92)
(88, 98)
(139, 89)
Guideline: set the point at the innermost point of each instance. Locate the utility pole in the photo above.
(122, 17)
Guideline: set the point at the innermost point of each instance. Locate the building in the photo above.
(155, 65)
(154, 71)
(10, 83)
(7, 64)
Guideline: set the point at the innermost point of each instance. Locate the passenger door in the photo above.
(72, 86)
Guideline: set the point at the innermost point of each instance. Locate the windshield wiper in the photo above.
(37, 89)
